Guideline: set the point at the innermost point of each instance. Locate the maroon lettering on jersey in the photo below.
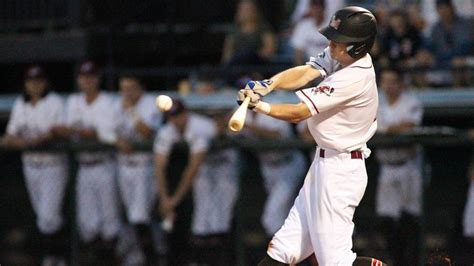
(323, 89)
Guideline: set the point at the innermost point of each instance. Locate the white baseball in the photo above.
(163, 103)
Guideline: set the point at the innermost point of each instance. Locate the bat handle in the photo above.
(237, 120)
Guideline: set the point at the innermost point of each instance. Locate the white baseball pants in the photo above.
(46, 186)
(320, 220)
(97, 201)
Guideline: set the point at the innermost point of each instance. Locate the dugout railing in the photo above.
(429, 137)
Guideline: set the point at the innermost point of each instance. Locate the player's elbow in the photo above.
(300, 113)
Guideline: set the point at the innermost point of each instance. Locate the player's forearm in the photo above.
(293, 113)
(294, 78)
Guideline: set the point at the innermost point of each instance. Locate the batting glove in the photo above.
(254, 97)
(261, 87)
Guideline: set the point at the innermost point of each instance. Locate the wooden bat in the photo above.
(237, 121)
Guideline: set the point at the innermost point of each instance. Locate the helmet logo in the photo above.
(335, 22)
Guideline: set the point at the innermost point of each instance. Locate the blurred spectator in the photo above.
(175, 170)
(302, 7)
(282, 170)
(400, 42)
(399, 191)
(252, 41)
(427, 10)
(450, 42)
(90, 117)
(32, 121)
(306, 38)
(215, 191)
(138, 118)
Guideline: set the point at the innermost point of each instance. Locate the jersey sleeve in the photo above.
(152, 117)
(59, 114)
(15, 121)
(415, 112)
(205, 131)
(106, 122)
(331, 93)
(164, 141)
(324, 63)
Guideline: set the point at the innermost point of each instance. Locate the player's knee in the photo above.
(268, 261)
(49, 225)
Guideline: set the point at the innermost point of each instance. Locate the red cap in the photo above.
(35, 72)
(89, 67)
(177, 108)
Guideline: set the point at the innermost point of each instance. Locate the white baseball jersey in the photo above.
(343, 108)
(400, 182)
(198, 134)
(306, 37)
(96, 190)
(344, 96)
(45, 172)
(468, 219)
(282, 171)
(135, 171)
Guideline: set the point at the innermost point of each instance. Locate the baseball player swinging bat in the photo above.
(236, 122)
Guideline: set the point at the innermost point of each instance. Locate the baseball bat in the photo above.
(236, 122)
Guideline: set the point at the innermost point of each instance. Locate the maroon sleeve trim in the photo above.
(307, 97)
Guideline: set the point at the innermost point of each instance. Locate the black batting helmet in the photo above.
(355, 26)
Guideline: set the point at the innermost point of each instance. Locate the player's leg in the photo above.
(334, 193)
(292, 243)
(50, 218)
(388, 207)
(409, 223)
(88, 219)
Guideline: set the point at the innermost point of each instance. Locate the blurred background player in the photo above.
(306, 38)
(138, 120)
(468, 219)
(282, 170)
(32, 121)
(399, 191)
(180, 149)
(251, 41)
(90, 117)
(215, 191)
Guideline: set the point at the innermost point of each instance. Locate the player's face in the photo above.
(130, 89)
(339, 52)
(88, 82)
(246, 11)
(35, 87)
(391, 84)
(179, 120)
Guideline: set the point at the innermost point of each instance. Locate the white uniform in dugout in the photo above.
(198, 135)
(468, 219)
(400, 183)
(343, 108)
(135, 171)
(45, 172)
(282, 172)
(215, 191)
(96, 190)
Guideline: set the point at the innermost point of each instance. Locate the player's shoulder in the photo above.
(305, 23)
(54, 98)
(202, 124)
(409, 98)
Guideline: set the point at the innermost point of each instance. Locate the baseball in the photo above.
(163, 103)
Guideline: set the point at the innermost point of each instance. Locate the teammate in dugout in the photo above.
(341, 115)
(90, 117)
(138, 119)
(193, 133)
(399, 190)
(32, 122)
